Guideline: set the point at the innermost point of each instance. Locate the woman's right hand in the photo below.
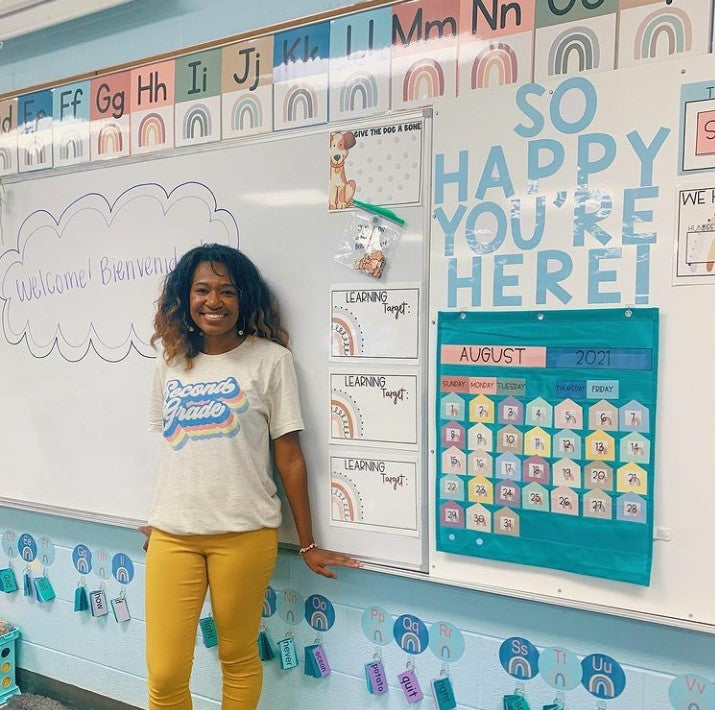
(146, 530)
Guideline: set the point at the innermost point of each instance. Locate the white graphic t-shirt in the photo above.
(217, 420)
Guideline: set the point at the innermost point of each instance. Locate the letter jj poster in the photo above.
(546, 438)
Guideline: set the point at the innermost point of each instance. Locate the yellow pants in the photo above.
(236, 567)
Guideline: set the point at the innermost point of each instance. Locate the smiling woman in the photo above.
(213, 307)
(224, 392)
(225, 294)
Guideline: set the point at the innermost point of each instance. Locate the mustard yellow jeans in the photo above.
(236, 568)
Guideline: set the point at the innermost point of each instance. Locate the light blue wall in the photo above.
(109, 659)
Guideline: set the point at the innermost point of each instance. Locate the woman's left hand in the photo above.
(319, 560)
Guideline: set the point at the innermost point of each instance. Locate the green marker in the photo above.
(381, 211)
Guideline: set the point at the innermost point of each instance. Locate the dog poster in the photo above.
(379, 164)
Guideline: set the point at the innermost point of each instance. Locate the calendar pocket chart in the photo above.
(546, 438)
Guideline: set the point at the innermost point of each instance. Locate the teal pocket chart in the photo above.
(546, 438)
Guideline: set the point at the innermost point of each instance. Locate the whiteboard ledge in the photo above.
(84, 515)
(676, 622)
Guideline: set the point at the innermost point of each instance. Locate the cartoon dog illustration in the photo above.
(341, 189)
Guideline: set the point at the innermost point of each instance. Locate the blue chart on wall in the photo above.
(546, 438)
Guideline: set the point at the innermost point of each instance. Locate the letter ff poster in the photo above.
(546, 438)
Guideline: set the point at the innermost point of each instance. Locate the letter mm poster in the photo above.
(546, 438)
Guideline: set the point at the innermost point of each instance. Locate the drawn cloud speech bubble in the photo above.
(89, 278)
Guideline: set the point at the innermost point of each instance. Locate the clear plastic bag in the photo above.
(370, 239)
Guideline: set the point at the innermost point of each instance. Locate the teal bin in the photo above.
(8, 686)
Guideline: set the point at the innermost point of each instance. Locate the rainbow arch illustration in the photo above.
(319, 621)
(579, 40)
(152, 130)
(71, 147)
(559, 681)
(247, 113)
(674, 23)
(345, 417)
(346, 334)
(35, 153)
(110, 139)
(197, 122)
(267, 610)
(359, 85)
(695, 706)
(5, 158)
(411, 642)
(297, 97)
(496, 56)
(602, 686)
(445, 654)
(519, 667)
(424, 80)
(82, 566)
(345, 501)
(122, 575)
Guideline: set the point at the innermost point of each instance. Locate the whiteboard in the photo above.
(83, 253)
(554, 118)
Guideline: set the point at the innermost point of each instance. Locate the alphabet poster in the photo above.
(546, 438)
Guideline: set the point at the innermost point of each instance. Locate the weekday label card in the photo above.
(375, 323)
(373, 491)
(373, 408)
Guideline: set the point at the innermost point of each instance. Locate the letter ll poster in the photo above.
(546, 438)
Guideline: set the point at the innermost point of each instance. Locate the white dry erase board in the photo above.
(83, 255)
(572, 203)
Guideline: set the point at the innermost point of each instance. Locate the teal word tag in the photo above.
(44, 590)
(515, 702)
(287, 654)
(265, 647)
(443, 693)
(81, 603)
(8, 581)
(208, 631)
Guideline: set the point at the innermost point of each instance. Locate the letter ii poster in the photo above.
(546, 438)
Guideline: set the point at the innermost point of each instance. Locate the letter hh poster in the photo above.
(546, 438)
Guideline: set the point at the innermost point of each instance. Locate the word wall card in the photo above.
(546, 438)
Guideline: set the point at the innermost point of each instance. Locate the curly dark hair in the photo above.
(259, 313)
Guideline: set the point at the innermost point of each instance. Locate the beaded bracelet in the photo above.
(312, 546)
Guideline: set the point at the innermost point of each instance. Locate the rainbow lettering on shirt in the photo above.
(202, 410)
